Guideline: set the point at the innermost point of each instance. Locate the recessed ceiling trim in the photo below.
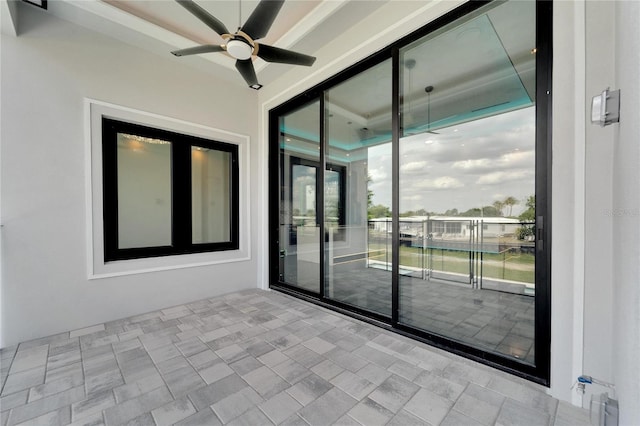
(318, 15)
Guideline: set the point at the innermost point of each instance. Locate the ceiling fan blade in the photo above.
(258, 24)
(284, 56)
(212, 22)
(247, 71)
(207, 48)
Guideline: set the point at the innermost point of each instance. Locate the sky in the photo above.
(464, 166)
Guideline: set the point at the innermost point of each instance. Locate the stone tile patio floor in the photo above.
(258, 358)
(494, 321)
(490, 320)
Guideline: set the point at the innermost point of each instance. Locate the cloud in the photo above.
(443, 182)
(417, 197)
(413, 166)
(378, 175)
(473, 164)
(483, 161)
(495, 178)
(510, 160)
(489, 138)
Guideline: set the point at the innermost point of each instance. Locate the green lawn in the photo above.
(509, 266)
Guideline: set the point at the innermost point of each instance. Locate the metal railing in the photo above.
(483, 253)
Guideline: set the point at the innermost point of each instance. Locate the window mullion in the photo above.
(110, 190)
(181, 195)
(395, 185)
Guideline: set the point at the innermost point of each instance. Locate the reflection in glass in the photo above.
(358, 132)
(467, 170)
(210, 195)
(299, 249)
(334, 199)
(144, 192)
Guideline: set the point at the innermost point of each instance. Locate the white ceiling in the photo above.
(160, 26)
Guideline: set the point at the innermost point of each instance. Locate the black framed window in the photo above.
(167, 193)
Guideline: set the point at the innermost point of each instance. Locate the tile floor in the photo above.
(491, 320)
(258, 358)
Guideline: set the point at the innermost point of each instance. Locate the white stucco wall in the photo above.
(598, 172)
(47, 72)
(567, 198)
(626, 214)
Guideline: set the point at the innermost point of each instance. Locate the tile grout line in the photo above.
(115, 356)
(552, 419)
(13, 357)
(500, 410)
(84, 377)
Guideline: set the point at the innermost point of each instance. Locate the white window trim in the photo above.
(96, 266)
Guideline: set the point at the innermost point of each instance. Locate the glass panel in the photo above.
(467, 181)
(210, 195)
(144, 192)
(299, 222)
(334, 195)
(358, 251)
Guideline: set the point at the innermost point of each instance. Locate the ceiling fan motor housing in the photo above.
(239, 48)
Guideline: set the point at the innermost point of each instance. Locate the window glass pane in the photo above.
(144, 191)
(334, 198)
(467, 179)
(299, 250)
(210, 195)
(358, 132)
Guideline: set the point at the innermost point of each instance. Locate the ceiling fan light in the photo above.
(239, 49)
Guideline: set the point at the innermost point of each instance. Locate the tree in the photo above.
(530, 212)
(378, 211)
(529, 215)
(526, 231)
(510, 201)
(490, 211)
(475, 212)
(498, 205)
(369, 192)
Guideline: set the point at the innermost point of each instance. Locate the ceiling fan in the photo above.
(241, 45)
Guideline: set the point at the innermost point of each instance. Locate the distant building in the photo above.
(489, 234)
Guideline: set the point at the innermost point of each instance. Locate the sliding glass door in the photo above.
(412, 188)
(467, 171)
(358, 137)
(298, 218)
